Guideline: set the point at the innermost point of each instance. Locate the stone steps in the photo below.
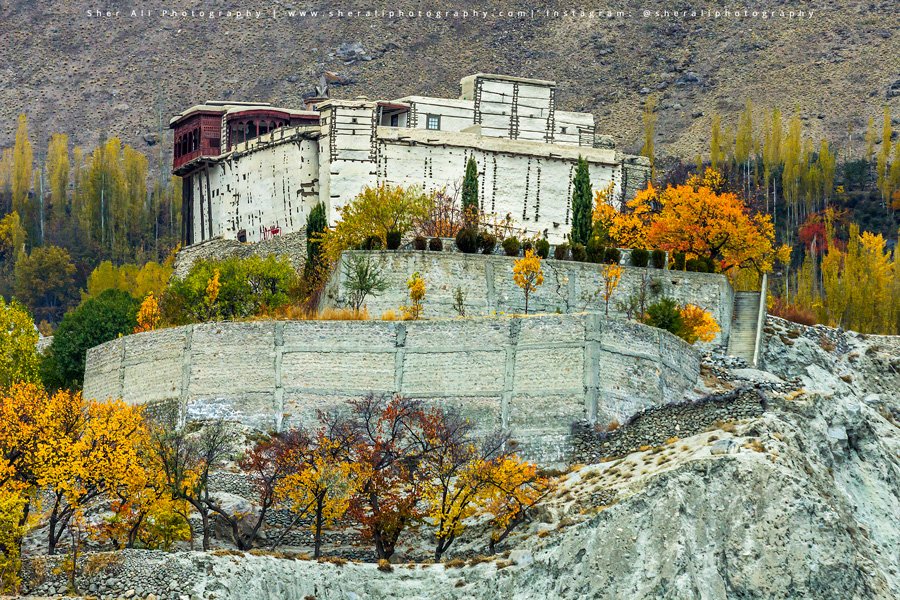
(742, 341)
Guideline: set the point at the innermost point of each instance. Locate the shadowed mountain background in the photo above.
(89, 76)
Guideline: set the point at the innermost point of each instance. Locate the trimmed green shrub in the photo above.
(595, 250)
(393, 240)
(436, 244)
(578, 253)
(678, 261)
(487, 242)
(542, 248)
(561, 252)
(511, 246)
(639, 257)
(612, 256)
(658, 258)
(97, 320)
(665, 315)
(419, 242)
(467, 240)
(527, 245)
(373, 242)
(698, 265)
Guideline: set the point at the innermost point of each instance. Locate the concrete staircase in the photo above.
(744, 323)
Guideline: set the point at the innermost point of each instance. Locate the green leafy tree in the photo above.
(45, 283)
(470, 191)
(244, 287)
(582, 203)
(364, 279)
(101, 319)
(19, 360)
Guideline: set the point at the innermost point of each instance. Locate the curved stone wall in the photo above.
(533, 375)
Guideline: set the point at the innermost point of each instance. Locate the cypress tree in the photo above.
(582, 198)
(470, 192)
(315, 226)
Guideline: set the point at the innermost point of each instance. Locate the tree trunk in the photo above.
(317, 552)
(204, 520)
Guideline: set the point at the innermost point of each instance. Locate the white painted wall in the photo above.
(276, 180)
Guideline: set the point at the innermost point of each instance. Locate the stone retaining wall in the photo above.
(532, 375)
(291, 245)
(658, 424)
(486, 282)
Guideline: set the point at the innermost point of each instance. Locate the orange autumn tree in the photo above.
(626, 228)
(716, 226)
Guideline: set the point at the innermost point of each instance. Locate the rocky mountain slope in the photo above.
(801, 502)
(86, 75)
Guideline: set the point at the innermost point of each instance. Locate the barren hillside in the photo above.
(86, 75)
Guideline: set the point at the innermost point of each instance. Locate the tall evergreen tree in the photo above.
(315, 227)
(582, 203)
(470, 192)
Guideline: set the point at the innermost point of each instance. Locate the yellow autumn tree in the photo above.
(323, 478)
(19, 361)
(514, 488)
(611, 276)
(148, 316)
(23, 169)
(528, 274)
(374, 212)
(697, 324)
(416, 286)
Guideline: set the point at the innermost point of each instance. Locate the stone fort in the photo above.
(251, 174)
(252, 171)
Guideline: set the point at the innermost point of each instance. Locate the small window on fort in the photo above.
(355, 120)
(562, 129)
(433, 122)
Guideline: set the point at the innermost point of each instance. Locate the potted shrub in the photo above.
(467, 240)
(511, 246)
(561, 252)
(373, 242)
(542, 248)
(678, 261)
(578, 253)
(419, 242)
(612, 256)
(639, 257)
(435, 244)
(487, 242)
(594, 250)
(393, 240)
(658, 258)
